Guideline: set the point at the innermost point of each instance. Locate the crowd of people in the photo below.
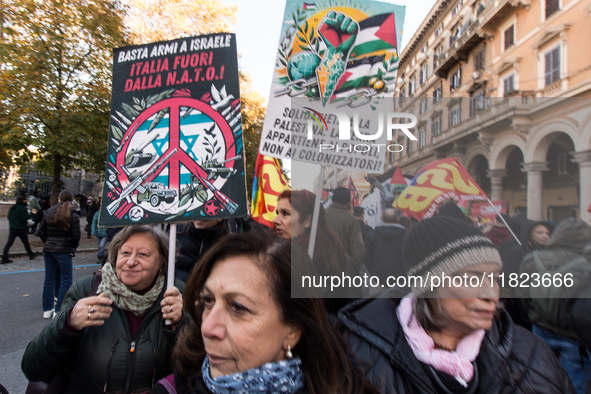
(233, 323)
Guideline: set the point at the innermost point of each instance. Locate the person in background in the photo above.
(534, 236)
(111, 336)
(35, 209)
(565, 247)
(248, 335)
(76, 205)
(18, 228)
(405, 222)
(294, 222)
(101, 238)
(455, 338)
(383, 247)
(345, 225)
(92, 210)
(194, 240)
(60, 232)
(359, 212)
(82, 200)
(45, 204)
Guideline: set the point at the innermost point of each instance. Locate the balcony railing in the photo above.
(495, 11)
(552, 90)
(459, 48)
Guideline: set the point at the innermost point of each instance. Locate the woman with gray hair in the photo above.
(111, 334)
(455, 338)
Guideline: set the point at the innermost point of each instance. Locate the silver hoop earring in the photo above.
(288, 353)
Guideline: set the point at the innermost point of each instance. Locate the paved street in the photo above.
(21, 285)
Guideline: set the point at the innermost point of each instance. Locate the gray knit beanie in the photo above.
(445, 245)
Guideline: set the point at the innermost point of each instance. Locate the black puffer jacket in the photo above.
(194, 243)
(98, 355)
(511, 360)
(55, 239)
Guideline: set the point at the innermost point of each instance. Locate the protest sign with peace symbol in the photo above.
(175, 154)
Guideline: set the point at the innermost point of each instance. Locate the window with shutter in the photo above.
(551, 7)
(479, 60)
(437, 94)
(422, 139)
(435, 127)
(509, 37)
(509, 85)
(552, 66)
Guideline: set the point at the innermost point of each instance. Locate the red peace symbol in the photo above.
(180, 157)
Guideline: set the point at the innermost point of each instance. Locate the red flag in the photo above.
(269, 182)
(397, 177)
(354, 194)
(436, 182)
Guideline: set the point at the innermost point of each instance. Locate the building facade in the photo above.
(504, 86)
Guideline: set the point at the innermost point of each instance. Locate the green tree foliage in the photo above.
(253, 115)
(55, 80)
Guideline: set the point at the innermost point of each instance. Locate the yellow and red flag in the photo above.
(269, 182)
(434, 183)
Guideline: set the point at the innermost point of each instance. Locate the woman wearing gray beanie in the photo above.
(452, 337)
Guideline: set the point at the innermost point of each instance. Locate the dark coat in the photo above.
(511, 360)
(578, 317)
(347, 228)
(102, 354)
(365, 229)
(92, 210)
(18, 216)
(181, 387)
(512, 257)
(194, 243)
(55, 239)
(383, 251)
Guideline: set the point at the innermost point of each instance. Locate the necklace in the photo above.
(441, 347)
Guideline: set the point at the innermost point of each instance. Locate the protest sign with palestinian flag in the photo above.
(269, 182)
(339, 51)
(436, 182)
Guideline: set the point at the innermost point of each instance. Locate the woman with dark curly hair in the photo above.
(249, 334)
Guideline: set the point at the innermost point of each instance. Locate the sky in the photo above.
(257, 29)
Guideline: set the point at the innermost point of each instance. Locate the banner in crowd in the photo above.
(372, 209)
(483, 213)
(341, 53)
(175, 149)
(438, 181)
(269, 182)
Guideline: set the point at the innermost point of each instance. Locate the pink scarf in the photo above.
(457, 363)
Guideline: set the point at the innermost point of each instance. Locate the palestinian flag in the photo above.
(375, 42)
(354, 193)
(398, 178)
(376, 33)
(309, 6)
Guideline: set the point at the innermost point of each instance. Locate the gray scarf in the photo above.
(126, 299)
